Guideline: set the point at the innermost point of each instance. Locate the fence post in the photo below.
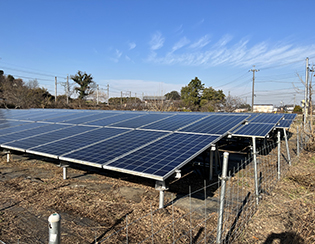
(222, 195)
(279, 155)
(287, 145)
(297, 142)
(54, 228)
(256, 171)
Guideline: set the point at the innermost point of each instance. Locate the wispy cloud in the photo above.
(117, 55)
(181, 43)
(157, 41)
(202, 42)
(131, 45)
(237, 54)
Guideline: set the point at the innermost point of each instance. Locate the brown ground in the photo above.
(288, 214)
(93, 205)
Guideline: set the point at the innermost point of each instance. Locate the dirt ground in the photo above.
(93, 204)
(288, 214)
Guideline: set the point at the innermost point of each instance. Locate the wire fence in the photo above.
(199, 220)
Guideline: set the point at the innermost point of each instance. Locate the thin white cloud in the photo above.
(131, 45)
(117, 55)
(202, 42)
(157, 41)
(239, 54)
(181, 43)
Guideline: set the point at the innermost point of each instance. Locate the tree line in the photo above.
(195, 96)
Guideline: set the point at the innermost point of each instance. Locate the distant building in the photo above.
(263, 108)
(148, 99)
(289, 108)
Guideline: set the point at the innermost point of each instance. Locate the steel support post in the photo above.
(287, 145)
(256, 171)
(160, 186)
(297, 142)
(279, 155)
(222, 196)
(211, 163)
(8, 156)
(54, 228)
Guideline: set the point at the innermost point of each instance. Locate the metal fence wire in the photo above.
(202, 221)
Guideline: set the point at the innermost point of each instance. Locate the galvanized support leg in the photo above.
(64, 171)
(54, 228)
(287, 145)
(256, 171)
(223, 185)
(160, 186)
(211, 163)
(297, 142)
(8, 156)
(279, 155)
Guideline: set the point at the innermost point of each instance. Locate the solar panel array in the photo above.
(258, 125)
(148, 144)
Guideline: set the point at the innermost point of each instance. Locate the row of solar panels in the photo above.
(148, 144)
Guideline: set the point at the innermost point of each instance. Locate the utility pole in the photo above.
(55, 89)
(67, 89)
(97, 93)
(306, 92)
(253, 90)
(107, 93)
(310, 100)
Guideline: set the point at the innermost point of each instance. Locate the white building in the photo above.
(263, 108)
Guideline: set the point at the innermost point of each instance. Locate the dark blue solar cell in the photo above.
(68, 116)
(102, 152)
(141, 121)
(285, 123)
(115, 119)
(175, 122)
(23, 126)
(254, 129)
(31, 132)
(215, 124)
(75, 142)
(43, 138)
(163, 156)
(267, 118)
(90, 118)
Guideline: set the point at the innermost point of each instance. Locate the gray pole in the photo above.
(97, 94)
(256, 171)
(306, 93)
(279, 154)
(107, 93)
(67, 89)
(211, 163)
(253, 89)
(297, 142)
(121, 98)
(55, 88)
(54, 228)
(287, 145)
(223, 185)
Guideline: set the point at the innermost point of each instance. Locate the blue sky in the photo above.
(153, 47)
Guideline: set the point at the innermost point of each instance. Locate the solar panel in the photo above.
(215, 124)
(254, 130)
(160, 159)
(175, 122)
(36, 140)
(68, 116)
(267, 118)
(102, 152)
(22, 127)
(90, 118)
(115, 119)
(69, 144)
(30, 132)
(142, 120)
